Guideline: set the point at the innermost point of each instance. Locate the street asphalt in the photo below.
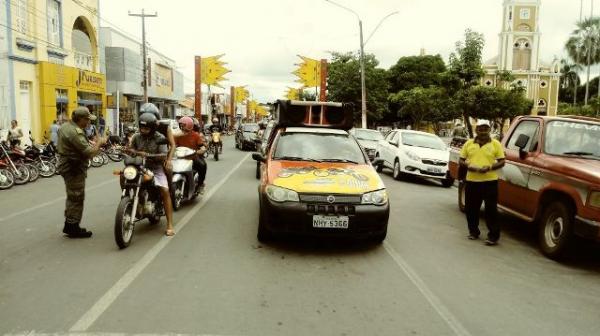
(214, 278)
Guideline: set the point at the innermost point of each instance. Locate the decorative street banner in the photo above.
(292, 94)
(212, 70)
(309, 72)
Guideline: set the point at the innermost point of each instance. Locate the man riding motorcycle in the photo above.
(149, 141)
(193, 140)
(216, 128)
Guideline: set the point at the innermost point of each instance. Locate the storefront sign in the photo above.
(90, 81)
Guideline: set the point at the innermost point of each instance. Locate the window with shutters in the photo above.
(22, 16)
(54, 24)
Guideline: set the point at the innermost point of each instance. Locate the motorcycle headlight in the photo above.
(278, 194)
(594, 199)
(378, 197)
(412, 156)
(129, 173)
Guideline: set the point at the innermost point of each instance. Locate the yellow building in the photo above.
(54, 61)
(520, 55)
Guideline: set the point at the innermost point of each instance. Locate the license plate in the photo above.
(333, 222)
(434, 170)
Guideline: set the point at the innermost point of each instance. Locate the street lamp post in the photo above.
(363, 89)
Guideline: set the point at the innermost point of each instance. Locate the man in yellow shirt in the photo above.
(482, 157)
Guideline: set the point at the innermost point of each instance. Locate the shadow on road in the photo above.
(303, 245)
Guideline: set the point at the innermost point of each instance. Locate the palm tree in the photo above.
(583, 47)
(569, 77)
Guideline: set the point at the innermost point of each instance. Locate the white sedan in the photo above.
(416, 153)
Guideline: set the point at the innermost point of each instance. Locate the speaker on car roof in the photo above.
(314, 114)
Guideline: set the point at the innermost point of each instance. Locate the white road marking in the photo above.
(113, 293)
(56, 200)
(33, 333)
(433, 300)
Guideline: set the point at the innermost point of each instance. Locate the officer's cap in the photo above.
(82, 112)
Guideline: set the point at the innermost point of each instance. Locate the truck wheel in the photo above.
(461, 196)
(556, 230)
(448, 182)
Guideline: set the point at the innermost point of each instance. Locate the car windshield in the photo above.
(423, 140)
(318, 147)
(368, 135)
(573, 138)
(250, 128)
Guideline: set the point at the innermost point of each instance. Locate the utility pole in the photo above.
(145, 80)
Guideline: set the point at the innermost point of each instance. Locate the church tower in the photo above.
(519, 54)
(520, 36)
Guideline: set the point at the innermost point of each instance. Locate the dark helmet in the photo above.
(148, 120)
(150, 108)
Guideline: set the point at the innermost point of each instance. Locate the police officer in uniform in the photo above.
(75, 151)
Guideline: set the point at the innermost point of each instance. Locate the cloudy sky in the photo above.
(261, 38)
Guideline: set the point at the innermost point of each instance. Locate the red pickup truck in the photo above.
(551, 177)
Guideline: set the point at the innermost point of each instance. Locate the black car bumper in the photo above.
(365, 221)
(587, 228)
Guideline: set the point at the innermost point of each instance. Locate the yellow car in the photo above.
(316, 179)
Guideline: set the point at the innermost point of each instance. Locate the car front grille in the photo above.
(331, 210)
(337, 199)
(434, 162)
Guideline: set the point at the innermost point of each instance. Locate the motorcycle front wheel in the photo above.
(97, 161)
(115, 155)
(34, 172)
(46, 168)
(178, 195)
(105, 159)
(22, 174)
(7, 179)
(123, 226)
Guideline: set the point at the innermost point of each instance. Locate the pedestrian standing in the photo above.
(101, 125)
(482, 157)
(15, 134)
(75, 151)
(54, 133)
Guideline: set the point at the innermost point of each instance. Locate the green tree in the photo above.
(344, 83)
(569, 79)
(413, 71)
(432, 104)
(465, 70)
(583, 47)
(308, 94)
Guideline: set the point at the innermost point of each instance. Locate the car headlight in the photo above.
(412, 156)
(378, 197)
(129, 172)
(278, 194)
(594, 199)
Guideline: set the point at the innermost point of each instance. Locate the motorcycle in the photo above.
(44, 165)
(186, 183)
(140, 199)
(215, 146)
(20, 171)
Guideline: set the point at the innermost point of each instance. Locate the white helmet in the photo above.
(483, 122)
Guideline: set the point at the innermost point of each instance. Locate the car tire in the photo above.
(258, 170)
(448, 182)
(378, 168)
(556, 230)
(264, 234)
(461, 196)
(397, 172)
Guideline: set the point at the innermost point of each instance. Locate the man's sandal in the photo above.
(170, 232)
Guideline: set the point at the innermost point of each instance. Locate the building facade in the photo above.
(53, 61)
(519, 54)
(124, 74)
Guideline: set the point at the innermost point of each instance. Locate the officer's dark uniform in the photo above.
(75, 151)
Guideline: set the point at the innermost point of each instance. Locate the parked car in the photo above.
(315, 178)
(368, 139)
(415, 153)
(246, 135)
(551, 177)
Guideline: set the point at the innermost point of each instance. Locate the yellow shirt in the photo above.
(482, 156)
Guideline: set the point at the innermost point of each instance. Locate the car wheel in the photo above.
(556, 230)
(397, 174)
(258, 170)
(461, 196)
(264, 234)
(379, 168)
(448, 182)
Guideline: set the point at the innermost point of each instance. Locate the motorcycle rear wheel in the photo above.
(178, 196)
(105, 159)
(34, 172)
(123, 228)
(97, 161)
(7, 179)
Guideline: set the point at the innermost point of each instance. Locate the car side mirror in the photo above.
(521, 143)
(258, 157)
(377, 162)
